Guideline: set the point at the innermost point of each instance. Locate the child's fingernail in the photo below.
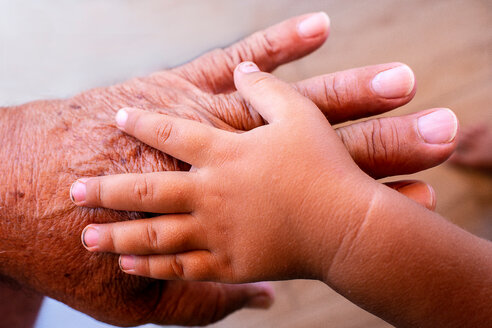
(121, 118)
(314, 25)
(438, 127)
(248, 67)
(90, 237)
(394, 83)
(78, 191)
(127, 263)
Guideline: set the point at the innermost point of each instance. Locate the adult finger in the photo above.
(272, 98)
(207, 302)
(183, 139)
(417, 191)
(401, 145)
(166, 234)
(341, 96)
(279, 44)
(159, 192)
(360, 92)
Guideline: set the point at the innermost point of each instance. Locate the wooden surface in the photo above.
(447, 43)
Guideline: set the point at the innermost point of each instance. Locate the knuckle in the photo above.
(335, 90)
(152, 236)
(176, 266)
(143, 190)
(264, 42)
(258, 45)
(382, 141)
(163, 132)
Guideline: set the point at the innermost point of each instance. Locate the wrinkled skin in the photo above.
(59, 142)
(48, 144)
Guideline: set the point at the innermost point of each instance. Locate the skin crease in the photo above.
(48, 144)
(382, 251)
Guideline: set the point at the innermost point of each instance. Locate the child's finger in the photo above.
(183, 139)
(196, 265)
(167, 234)
(159, 192)
(271, 97)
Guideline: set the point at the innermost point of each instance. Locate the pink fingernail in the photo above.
(248, 67)
(264, 296)
(394, 83)
(90, 237)
(314, 25)
(438, 127)
(127, 263)
(78, 190)
(121, 118)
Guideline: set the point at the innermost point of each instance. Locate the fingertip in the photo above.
(418, 191)
(78, 191)
(433, 199)
(127, 263)
(247, 67)
(242, 69)
(90, 238)
(263, 296)
(122, 115)
(396, 82)
(314, 25)
(438, 126)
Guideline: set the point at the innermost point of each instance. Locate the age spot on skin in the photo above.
(74, 106)
(17, 194)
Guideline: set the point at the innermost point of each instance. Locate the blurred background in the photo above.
(57, 48)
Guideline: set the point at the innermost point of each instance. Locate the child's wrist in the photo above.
(341, 225)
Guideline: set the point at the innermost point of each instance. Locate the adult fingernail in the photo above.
(262, 295)
(78, 191)
(127, 263)
(260, 302)
(420, 192)
(248, 67)
(394, 83)
(90, 237)
(314, 25)
(121, 118)
(438, 127)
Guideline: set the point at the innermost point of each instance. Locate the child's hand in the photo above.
(271, 203)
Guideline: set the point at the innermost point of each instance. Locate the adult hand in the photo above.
(49, 144)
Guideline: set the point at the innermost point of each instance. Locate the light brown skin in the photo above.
(474, 148)
(48, 144)
(286, 201)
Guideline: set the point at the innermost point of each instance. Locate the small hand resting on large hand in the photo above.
(281, 201)
(253, 204)
(49, 144)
